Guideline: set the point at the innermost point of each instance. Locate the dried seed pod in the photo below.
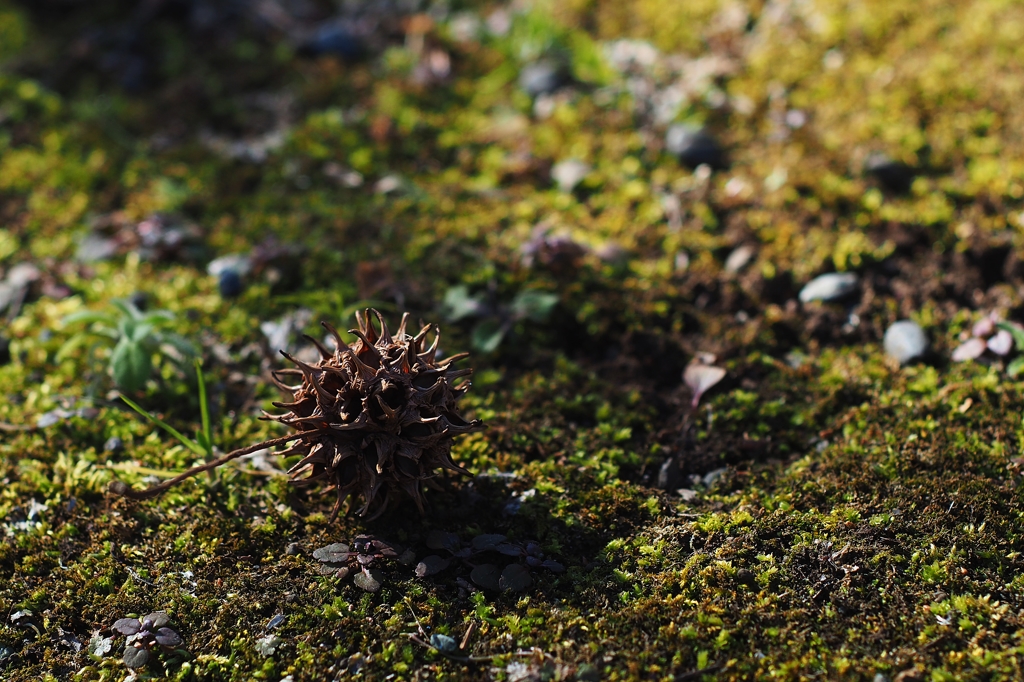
(369, 419)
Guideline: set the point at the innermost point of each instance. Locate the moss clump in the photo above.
(833, 516)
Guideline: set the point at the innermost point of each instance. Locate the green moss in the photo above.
(868, 519)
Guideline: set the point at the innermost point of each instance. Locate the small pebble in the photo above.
(541, 78)
(334, 39)
(94, 248)
(739, 258)
(139, 299)
(23, 274)
(230, 284)
(895, 176)
(694, 147)
(569, 173)
(904, 341)
(829, 287)
(239, 262)
(113, 444)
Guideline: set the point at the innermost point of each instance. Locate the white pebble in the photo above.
(569, 173)
(828, 287)
(904, 341)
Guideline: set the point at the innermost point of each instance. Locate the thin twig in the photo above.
(121, 488)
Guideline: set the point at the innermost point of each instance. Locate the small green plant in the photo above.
(135, 338)
(496, 320)
(202, 444)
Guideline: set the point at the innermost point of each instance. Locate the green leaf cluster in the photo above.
(496, 321)
(135, 339)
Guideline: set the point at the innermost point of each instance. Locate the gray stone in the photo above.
(694, 146)
(541, 78)
(829, 287)
(569, 173)
(904, 341)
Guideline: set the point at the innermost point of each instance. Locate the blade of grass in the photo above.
(204, 410)
(187, 442)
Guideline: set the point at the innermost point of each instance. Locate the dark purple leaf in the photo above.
(365, 559)
(335, 553)
(515, 578)
(508, 549)
(135, 657)
(486, 576)
(127, 626)
(487, 541)
(430, 565)
(158, 619)
(553, 566)
(438, 539)
(368, 580)
(387, 549)
(334, 569)
(167, 637)
(532, 561)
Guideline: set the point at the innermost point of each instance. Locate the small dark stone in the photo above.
(333, 39)
(444, 643)
(695, 147)
(746, 577)
(230, 284)
(140, 299)
(541, 77)
(894, 176)
(113, 444)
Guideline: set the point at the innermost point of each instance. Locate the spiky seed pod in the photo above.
(377, 416)
(369, 419)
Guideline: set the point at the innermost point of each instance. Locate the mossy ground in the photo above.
(869, 519)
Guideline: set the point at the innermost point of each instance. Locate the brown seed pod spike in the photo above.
(370, 419)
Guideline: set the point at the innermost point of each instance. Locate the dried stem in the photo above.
(121, 488)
